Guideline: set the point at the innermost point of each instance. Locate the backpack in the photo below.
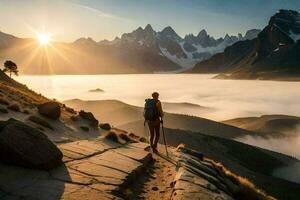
(151, 113)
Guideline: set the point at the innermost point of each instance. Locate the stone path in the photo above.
(96, 169)
(102, 169)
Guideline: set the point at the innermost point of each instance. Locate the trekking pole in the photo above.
(163, 131)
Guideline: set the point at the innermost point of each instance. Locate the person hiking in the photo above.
(153, 114)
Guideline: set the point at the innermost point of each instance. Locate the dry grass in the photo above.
(144, 140)
(70, 110)
(120, 137)
(134, 136)
(26, 112)
(180, 146)
(40, 121)
(113, 136)
(3, 110)
(4, 101)
(126, 138)
(26, 93)
(244, 189)
(15, 107)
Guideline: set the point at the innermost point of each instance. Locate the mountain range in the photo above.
(274, 54)
(183, 51)
(142, 51)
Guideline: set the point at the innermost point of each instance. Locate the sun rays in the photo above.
(44, 38)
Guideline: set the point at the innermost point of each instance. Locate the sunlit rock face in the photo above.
(274, 54)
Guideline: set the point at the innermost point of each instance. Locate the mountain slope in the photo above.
(274, 54)
(130, 118)
(144, 50)
(271, 125)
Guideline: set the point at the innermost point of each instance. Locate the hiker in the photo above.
(153, 114)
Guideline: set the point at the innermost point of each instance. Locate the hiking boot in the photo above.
(154, 149)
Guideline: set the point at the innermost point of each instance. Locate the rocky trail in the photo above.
(103, 169)
(156, 180)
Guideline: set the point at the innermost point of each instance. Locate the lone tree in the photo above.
(11, 67)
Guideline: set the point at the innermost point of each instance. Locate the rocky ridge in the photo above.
(273, 54)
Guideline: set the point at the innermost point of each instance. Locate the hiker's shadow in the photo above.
(22, 183)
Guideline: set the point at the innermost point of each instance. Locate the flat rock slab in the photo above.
(196, 179)
(93, 169)
(136, 153)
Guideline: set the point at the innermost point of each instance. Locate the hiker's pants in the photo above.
(154, 128)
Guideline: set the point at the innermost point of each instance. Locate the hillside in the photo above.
(130, 118)
(274, 54)
(270, 125)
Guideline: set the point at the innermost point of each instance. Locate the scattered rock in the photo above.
(25, 146)
(84, 128)
(105, 126)
(40, 121)
(96, 90)
(90, 117)
(50, 109)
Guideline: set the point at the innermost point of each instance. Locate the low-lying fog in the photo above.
(286, 145)
(225, 99)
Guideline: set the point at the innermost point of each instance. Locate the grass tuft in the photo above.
(3, 110)
(26, 112)
(4, 101)
(15, 107)
(126, 138)
(244, 189)
(40, 121)
(113, 136)
(144, 140)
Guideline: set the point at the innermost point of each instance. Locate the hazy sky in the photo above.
(68, 20)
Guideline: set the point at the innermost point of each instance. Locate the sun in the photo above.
(44, 38)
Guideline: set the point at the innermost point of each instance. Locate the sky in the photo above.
(68, 20)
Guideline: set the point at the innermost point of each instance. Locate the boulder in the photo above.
(90, 117)
(105, 126)
(25, 146)
(50, 109)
